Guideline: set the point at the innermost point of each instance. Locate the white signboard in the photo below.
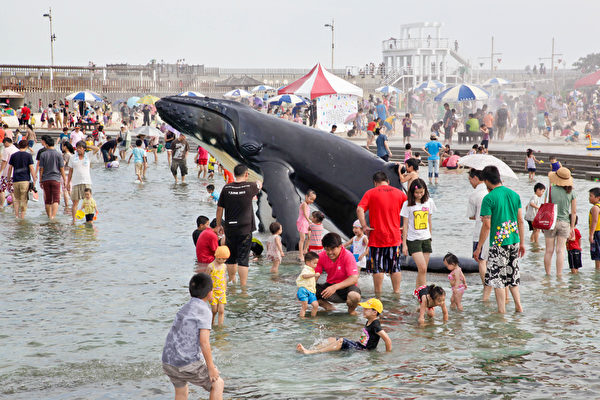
(334, 109)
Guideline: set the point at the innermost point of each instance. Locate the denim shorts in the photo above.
(304, 294)
(433, 167)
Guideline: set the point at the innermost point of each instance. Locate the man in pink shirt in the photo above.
(342, 275)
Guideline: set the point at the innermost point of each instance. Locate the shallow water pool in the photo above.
(85, 312)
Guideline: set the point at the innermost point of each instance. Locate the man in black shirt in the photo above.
(108, 150)
(236, 201)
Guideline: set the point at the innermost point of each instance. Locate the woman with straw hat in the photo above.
(561, 194)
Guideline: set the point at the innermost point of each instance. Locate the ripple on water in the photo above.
(89, 308)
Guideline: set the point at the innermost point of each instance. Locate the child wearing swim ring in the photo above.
(457, 280)
(304, 221)
(430, 297)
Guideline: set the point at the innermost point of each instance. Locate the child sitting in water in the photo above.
(274, 248)
(429, 297)
(574, 250)
(315, 232)
(307, 284)
(360, 245)
(217, 270)
(369, 339)
(457, 280)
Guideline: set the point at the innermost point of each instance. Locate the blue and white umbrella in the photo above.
(432, 85)
(191, 94)
(388, 89)
(496, 82)
(262, 88)
(462, 92)
(236, 94)
(84, 96)
(132, 101)
(288, 98)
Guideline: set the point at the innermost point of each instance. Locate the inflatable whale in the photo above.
(288, 157)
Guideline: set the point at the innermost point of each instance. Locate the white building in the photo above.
(420, 54)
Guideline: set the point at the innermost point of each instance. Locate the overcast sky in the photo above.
(271, 34)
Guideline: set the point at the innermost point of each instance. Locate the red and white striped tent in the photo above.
(320, 82)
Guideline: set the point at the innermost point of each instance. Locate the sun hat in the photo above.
(562, 177)
(356, 224)
(373, 303)
(222, 252)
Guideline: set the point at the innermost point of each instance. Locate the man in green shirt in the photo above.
(503, 221)
(472, 124)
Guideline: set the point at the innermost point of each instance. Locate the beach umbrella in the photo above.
(149, 131)
(288, 98)
(191, 94)
(148, 99)
(495, 82)
(132, 101)
(84, 96)
(261, 88)
(575, 93)
(464, 92)
(432, 85)
(480, 161)
(388, 89)
(236, 94)
(350, 118)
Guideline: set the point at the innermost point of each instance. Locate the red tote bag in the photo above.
(545, 219)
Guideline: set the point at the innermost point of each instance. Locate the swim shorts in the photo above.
(195, 373)
(595, 247)
(419, 246)
(348, 344)
(51, 192)
(340, 296)
(239, 246)
(384, 260)
(574, 257)
(503, 266)
(304, 294)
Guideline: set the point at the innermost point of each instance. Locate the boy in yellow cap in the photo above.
(217, 270)
(369, 339)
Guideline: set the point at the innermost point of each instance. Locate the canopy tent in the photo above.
(320, 82)
(592, 79)
(244, 82)
(11, 94)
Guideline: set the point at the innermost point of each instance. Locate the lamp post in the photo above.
(332, 40)
(52, 39)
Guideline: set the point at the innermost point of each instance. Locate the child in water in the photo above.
(530, 162)
(360, 245)
(574, 250)
(407, 152)
(89, 206)
(217, 270)
(369, 339)
(274, 248)
(212, 197)
(315, 230)
(457, 280)
(307, 285)
(555, 163)
(429, 297)
(304, 221)
(532, 208)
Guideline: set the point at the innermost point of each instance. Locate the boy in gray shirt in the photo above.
(187, 356)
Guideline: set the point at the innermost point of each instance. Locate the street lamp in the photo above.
(332, 41)
(52, 39)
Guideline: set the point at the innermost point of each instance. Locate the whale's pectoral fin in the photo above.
(283, 198)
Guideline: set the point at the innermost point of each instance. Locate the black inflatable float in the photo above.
(436, 265)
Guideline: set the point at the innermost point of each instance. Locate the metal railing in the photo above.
(417, 43)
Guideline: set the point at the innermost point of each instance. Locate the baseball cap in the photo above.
(222, 252)
(373, 303)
